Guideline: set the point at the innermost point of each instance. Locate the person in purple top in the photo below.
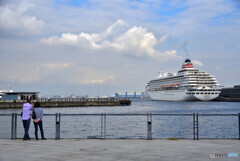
(26, 118)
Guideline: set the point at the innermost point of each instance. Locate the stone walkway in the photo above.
(117, 150)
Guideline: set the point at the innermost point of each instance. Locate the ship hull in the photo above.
(180, 95)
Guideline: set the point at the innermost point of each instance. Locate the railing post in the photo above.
(194, 126)
(149, 126)
(59, 129)
(12, 125)
(58, 126)
(15, 127)
(56, 132)
(239, 126)
(101, 125)
(104, 126)
(197, 128)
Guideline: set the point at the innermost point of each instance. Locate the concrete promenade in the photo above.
(116, 150)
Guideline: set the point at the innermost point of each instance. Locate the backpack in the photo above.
(33, 115)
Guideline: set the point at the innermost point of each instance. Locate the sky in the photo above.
(100, 47)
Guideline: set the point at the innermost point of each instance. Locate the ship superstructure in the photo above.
(188, 84)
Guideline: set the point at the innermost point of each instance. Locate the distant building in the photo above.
(72, 96)
(56, 96)
(129, 95)
(19, 96)
(117, 95)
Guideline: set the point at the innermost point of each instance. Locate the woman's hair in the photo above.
(28, 99)
(37, 104)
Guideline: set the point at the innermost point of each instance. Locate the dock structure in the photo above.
(18, 96)
(68, 103)
(16, 99)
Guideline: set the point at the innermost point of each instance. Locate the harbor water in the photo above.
(135, 126)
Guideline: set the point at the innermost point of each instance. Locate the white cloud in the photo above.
(66, 38)
(93, 78)
(26, 73)
(136, 41)
(197, 63)
(110, 29)
(67, 73)
(60, 73)
(162, 39)
(15, 20)
(139, 42)
(55, 66)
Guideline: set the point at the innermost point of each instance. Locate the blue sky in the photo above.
(101, 47)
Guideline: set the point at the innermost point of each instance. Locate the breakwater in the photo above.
(71, 103)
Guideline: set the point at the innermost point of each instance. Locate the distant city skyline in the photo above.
(116, 95)
(99, 47)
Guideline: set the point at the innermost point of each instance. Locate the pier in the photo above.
(68, 103)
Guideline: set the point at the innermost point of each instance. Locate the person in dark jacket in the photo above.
(38, 121)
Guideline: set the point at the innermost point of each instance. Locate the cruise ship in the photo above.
(189, 84)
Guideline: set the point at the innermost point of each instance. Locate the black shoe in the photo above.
(36, 138)
(28, 138)
(44, 139)
(24, 139)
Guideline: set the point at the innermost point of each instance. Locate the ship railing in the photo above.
(117, 126)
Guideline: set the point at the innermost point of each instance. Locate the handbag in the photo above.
(33, 115)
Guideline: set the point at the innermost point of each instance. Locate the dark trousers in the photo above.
(26, 125)
(40, 124)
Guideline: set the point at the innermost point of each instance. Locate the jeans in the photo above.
(26, 125)
(36, 129)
